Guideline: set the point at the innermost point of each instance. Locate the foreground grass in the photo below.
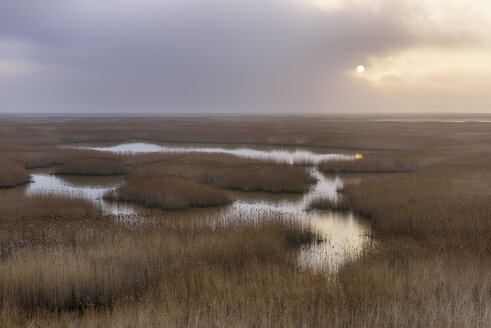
(43, 220)
(238, 275)
(162, 265)
(12, 174)
(169, 193)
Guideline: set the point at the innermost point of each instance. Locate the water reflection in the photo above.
(283, 155)
(345, 237)
(89, 189)
(345, 234)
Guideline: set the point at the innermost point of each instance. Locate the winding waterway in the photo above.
(345, 234)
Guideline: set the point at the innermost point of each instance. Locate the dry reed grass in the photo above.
(430, 266)
(12, 174)
(124, 269)
(41, 220)
(324, 204)
(451, 198)
(225, 171)
(348, 131)
(18, 206)
(92, 166)
(385, 162)
(420, 205)
(169, 193)
(240, 275)
(31, 156)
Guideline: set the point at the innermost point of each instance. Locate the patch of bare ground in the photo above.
(169, 193)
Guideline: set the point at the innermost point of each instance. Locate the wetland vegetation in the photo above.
(168, 193)
(67, 261)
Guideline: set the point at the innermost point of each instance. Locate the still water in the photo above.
(291, 156)
(91, 188)
(345, 234)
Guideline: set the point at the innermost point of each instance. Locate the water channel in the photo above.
(345, 234)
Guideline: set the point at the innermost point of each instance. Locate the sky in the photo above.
(245, 56)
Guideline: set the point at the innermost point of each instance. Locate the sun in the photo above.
(360, 68)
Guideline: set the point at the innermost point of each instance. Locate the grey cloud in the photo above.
(181, 56)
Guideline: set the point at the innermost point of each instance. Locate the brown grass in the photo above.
(342, 131)
(42, 205)
(402, 161)
(327, 204)
(39, 220)
(225, 171)
(31, 156)
(92, 166)
(12, 174)
(239, 275)
(421, 204)
(169, 193)
(151, 260)
(429, 265)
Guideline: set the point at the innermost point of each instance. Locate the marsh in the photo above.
(284, 228)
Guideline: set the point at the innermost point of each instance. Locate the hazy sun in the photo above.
(360, 68)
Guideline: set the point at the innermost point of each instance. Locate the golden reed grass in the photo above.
(225, 171)
(402, 161)
(12, 174)
(92, 166)
(169, 193)
(440, 200)
(183, 262)
(348, 131)
(239, 275)
(429, 267)
(31, 156)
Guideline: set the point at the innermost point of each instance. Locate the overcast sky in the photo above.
(245, 56)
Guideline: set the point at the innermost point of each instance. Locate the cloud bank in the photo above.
(249, 56)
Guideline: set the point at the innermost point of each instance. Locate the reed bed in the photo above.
(92, 166)
(388, 162)
(169, 193)
(240, 275)
(226, 171)
(17, 206)
(341, 131)
(65, 264)
(12, 174)
(420, 206)
(451, 198)
(324, 204)
(32, 156)
(43, 220)
(174, 259)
